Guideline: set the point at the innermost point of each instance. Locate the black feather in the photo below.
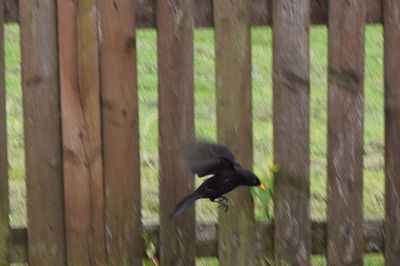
(184, 204)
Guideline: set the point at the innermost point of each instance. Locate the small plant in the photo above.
(265, 198)
(151, 251)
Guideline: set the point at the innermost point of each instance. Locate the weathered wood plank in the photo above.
(373, 11)
(291, 131)
(81, 131)
(42, 133)
(18, 245)
(203, 17)
(260, 12)
(234, 125)
(146, 13)
(120, 132)
(176, 126)
(207, 239)
(392, 129)
(345, 132)
(11, 11)
(4, 201)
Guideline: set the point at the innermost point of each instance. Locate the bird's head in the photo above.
(253, 180)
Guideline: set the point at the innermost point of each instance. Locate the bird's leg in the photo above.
(223, 203)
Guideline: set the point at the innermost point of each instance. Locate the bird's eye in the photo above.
(254, 181)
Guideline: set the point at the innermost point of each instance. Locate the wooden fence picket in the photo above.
(291, 137)
(345, 132)
(120, 132)
(176, 125)
(392, 130)
(42, 130)
(236, 229)
(81, 131)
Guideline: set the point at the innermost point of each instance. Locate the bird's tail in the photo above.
(184, 204)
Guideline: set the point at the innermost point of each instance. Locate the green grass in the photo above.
(15, 139)
(206, 119)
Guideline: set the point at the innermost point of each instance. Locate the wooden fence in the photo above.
(80, 101)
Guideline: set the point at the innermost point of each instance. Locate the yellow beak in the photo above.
(261, 187)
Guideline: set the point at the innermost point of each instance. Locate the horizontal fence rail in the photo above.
(260, 12)
(207, 239)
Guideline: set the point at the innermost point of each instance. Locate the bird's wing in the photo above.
(204, 158)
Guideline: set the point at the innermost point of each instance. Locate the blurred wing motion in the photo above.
(205, 158)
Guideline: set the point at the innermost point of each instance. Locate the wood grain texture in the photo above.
(18, 245)
(81, 131)
(176, 126)
(203, 17)
(4, 201)
(291, 131)
(234, 125)
(11, 11)
(207, 239)
(392, 130)
(120, 132)
(345, 132)
(42, 129)
(260, 12)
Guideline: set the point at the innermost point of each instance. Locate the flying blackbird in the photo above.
(205, 158)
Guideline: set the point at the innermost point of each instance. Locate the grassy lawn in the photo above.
(206, 120)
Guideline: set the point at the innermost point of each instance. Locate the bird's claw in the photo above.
(223, 206)
(223, 203)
